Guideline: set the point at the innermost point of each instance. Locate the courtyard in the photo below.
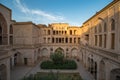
(21, 71)
(31, 31)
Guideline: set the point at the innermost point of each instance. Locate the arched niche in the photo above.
(3, 31)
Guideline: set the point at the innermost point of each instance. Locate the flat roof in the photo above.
(106, 7)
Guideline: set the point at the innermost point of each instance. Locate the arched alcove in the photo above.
(3, 31)
(3, 72)
(74, 52)
(102, 70)
(17, 58)
(0, 34)
(11, 29)
(44, 52)
(115, 74)
(112, 24)
(59, 49)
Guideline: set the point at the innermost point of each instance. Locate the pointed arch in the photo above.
(11, 29)
(3, 72)
(100, 28)
(59, 49)
(115, 74)
(44, 52)
(74, 52)
(3, 30)
(102, 70)
(0, 34)
(112, 24)
(0, 29)
(17, 58)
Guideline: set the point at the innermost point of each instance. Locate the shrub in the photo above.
(70, 64)
(47, 65)
(67, 64)
(58, 62)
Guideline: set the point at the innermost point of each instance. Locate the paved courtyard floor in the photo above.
(19, 72)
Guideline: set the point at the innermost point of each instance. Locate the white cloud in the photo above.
(37, 15)
(46, 15)
(22, 7)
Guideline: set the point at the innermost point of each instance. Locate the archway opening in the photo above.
(74, 52)
(44, 52)
(3, 31)
(0, 34)
(11, 29)
(59, 49)
(3, 72)
(115, 74)
(92, 67)
(16, 58)
(102, 70)
(0, 29)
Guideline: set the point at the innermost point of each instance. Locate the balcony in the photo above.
(104, 53)
(5, 47)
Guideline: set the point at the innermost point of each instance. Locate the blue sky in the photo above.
(74, 12)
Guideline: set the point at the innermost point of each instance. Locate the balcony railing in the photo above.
(60, 44)
(26, 46)
(107, 54)
(5, 47)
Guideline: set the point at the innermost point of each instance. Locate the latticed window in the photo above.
(105, 27)
(75, 32)
(56, 40)
(70, 40)
(105, 40)
(48, 40)
(65, 32)
(95, 29)
(112, 24)
(100, 40)
(11, 29)
(66, 40)
(70, 32)
(0, 34)
(44, 40)
(53, 40)
(78, 40)
(51, 49)
(0, 30)
(74, 40)
(62, 32)
(57, 32)
(66, 49)
(45, 32)
(100, 28)
(95, 40)
(87, 37)
(62, 40)
(112, 40)
(53, 32)
(11, 40)
(48, 32)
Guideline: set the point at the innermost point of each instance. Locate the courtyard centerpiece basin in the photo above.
(53, 76)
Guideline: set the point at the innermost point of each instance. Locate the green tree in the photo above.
(57, 57)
